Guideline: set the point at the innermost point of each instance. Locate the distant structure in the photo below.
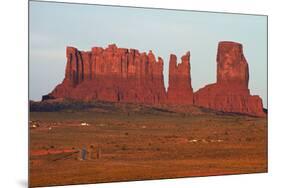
(125, 75)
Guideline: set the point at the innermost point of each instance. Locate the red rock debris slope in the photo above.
(127, 75)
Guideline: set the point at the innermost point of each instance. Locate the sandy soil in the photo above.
(142, 145)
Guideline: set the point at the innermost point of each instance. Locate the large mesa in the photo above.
(112, 74)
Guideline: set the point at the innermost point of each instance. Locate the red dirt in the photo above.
(50, 151)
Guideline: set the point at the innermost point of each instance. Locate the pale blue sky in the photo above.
(53, 26)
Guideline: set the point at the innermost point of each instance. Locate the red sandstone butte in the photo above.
(230, 93)
(126, 75)
(112, 74)
(180, 90)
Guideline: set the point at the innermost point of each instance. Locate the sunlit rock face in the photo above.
(230, 93)
(180, 90)
(126, 75)
(112, 74)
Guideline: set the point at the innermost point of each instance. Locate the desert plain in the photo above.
(138, 142)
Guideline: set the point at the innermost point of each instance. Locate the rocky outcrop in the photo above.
(180, 90)
(127, 75)
(230, 93)
(112, 74)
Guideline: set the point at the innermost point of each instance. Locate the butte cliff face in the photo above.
(230, 93)
(112, 74)
(126, 75)
(180, 90)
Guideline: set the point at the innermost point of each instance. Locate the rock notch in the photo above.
(180, 90)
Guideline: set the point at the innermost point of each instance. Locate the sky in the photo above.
(53, 26)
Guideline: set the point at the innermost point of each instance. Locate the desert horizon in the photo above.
(164, 32)
(126, 75)
(184, 94)
(111, 119)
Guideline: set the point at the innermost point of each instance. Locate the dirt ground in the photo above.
(142, 145)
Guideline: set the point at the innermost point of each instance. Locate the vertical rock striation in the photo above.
(112, 74)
